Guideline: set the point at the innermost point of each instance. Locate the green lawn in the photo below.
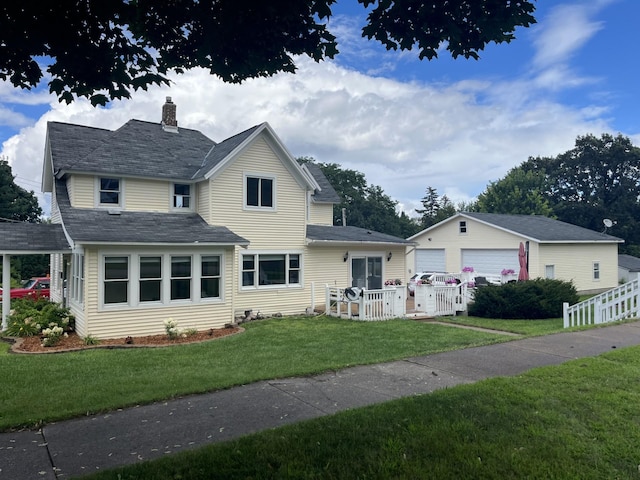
(579, 420)
(43, 388)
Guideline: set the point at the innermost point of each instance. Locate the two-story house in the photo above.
(162, 222)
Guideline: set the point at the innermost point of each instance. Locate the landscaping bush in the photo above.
(539, 298)
(29, 316)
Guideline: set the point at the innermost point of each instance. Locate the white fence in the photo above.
(440, 300)
(618, 304)
(370, 305)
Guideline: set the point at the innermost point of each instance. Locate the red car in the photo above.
(36, 287)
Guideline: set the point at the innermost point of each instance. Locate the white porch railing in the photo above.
(440, 300)
(617, 304)
(371, 305)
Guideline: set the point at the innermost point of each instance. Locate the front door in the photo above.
(366, 272)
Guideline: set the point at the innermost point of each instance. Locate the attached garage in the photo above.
(491, 261)
(430, 260)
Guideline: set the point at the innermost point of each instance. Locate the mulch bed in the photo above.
(74, 342)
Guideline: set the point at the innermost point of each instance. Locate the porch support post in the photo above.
(6, 290)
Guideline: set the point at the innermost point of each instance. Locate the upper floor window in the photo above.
(596, 270)
(463, 226)
(181, 195)
(109, 191)
(259, 192)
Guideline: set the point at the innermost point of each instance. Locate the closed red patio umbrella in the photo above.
(523, 274)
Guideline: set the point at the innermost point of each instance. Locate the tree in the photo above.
(436, 208)
(521, 191)
(365, 206)
(599, 178)
(16, 203)
(132, 44)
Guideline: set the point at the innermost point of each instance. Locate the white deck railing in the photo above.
(440, 300)
(617, 304)
(371, 305)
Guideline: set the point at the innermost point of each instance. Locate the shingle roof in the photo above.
(542, 229)
(137, 148)
(221, 150)
(629, 262)
(348, 234)
(326, 194)
(32, 238)
(99, 226)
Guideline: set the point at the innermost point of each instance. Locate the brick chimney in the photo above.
(169, 121)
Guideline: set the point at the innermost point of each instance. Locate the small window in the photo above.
(294, 269)
(248, 270)
(550, 271)
(259, 192)
(116, 279)
(596, 270)
(210, 277)
(109, 191)
(181, 196)
(463, 226)
(180, 278)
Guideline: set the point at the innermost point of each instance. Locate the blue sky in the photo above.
(454, 125)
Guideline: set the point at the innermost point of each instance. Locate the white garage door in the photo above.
(491, 261)
(430, 260)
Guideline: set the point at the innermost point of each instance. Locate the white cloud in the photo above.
(402, 136)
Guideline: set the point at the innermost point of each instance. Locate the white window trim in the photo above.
(257, 286)
(120, 204)
(460, 226)
(133, 292)
(192, 199)
(551, 267)
(274, 191)
(76, 282)
(595, 264)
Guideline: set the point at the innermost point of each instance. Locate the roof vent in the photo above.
(169, 120)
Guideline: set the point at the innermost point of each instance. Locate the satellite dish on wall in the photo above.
(607, 223)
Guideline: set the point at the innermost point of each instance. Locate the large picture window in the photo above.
(260, 192)
(260, 270)
(116, 280)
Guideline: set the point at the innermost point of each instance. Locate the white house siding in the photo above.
(278, 230)
(81, 190)
(282, 230)
(147, 195)
(321, 214)
(575, 262)
(122, 321)
(203, 199)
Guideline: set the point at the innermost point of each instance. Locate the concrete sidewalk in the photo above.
(85, 445)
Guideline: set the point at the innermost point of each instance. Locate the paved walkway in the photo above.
(81, 446)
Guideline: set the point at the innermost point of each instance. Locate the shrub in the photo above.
(30, 316)
(539, 298)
